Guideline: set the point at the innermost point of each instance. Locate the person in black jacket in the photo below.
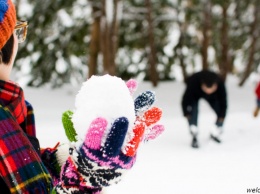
(209, 86)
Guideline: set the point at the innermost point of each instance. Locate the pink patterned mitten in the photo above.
(109, 128)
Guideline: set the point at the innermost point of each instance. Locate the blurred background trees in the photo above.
(70, 40)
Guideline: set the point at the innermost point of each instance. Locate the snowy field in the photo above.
(168, 165)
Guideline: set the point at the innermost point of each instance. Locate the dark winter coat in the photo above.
(194, 92)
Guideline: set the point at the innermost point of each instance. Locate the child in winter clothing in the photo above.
(21, 168)
(257, 93)
(209, 86)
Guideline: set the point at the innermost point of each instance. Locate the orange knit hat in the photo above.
(7, 20)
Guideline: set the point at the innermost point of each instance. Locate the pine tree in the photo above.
(64, 39)
(134, 47)
(57, 42)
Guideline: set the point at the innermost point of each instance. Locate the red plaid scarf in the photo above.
(20, 166)
(11, 97)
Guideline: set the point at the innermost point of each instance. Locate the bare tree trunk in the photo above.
(178, 52)
(225, 60)
(109, 38)
(206, 34)
(113, 39)
(252, 49)
(153, 54)
(94, 43)
(103, 37)
(109, 50)
(181, 57)
(178, 48)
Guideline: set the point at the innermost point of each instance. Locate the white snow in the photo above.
(168, 165)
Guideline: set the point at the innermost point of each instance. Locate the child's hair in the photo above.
(7, 51)
(209, 78)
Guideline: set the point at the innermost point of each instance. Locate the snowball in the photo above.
(102, 96)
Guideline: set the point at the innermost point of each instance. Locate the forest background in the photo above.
(70, 40)
(159, 41)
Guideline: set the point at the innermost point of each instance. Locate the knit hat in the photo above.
(7, 21)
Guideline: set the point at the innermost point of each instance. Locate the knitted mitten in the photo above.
(105, 134)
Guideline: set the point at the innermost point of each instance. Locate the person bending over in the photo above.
(209, 86)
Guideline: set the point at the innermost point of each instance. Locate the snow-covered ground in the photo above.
(168, 165)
